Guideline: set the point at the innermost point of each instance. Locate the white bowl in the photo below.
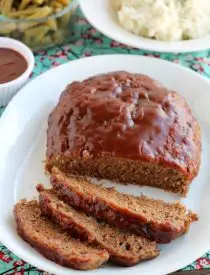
(101, 15)
(9, 89)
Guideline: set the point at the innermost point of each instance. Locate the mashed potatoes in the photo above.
(168, 20)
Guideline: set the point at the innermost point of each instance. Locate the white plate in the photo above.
(22, 141)
(101, 15)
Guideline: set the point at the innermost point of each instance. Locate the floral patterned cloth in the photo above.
(86, 41)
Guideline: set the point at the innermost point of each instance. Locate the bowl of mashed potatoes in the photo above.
(156, 25)
(164, 20)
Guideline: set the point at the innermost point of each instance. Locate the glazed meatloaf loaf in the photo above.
(125, 127)
(124, 248)
(155, 219)
(52, 242)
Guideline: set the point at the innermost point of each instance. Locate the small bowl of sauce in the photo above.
(12, 65)
(16, 65)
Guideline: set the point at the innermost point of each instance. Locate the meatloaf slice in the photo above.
(124, 248)
(52, 242)
(155, 219)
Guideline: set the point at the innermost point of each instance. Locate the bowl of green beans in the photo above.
(39, 24)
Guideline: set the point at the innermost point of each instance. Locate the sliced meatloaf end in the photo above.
(52, 242)
(155, 219)
(125, 248)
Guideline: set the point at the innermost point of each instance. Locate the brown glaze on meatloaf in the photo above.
(125, 127)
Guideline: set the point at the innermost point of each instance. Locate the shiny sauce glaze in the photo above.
(127, 116)
(12, 65)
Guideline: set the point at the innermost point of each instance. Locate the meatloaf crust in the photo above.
(125, 127)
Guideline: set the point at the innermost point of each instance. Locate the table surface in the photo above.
(86, 41)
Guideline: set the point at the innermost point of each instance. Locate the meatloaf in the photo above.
(52, 242)
(155, 219)
(124, 248)
(125, 127)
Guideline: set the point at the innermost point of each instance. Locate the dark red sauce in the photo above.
(12, 65)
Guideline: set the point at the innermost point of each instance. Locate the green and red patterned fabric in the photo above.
(86, 41)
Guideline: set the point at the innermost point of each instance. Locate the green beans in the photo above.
(35, 22)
